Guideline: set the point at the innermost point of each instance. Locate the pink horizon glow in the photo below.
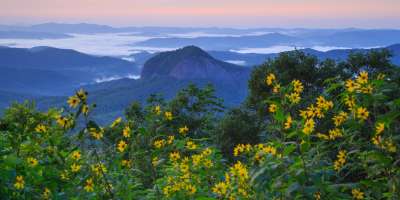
(286, 13)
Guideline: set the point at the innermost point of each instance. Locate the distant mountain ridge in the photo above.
(52, 71)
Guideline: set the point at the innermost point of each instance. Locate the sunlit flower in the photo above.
(340, 118)
(351, 86)
(276, 88)
(159, 143)
(362, 113)
(99, 169)
(220, 188)
(89, 185)
(317, 196)
(270, 78)
(171, 139)
(174, 156)
(288, 122)
(40, 128)
(75, 167)
(126, 163)
(32, 161)
(379, 128)
(46, 193)
(82, 94)
(191, 145)
(155, 161)
(73, 101)
(76, 155)
(19, 183)
(85, 109)
(126, 132)
(97, 134)
(362, 77)
(340, 161)
(157, 110)
(122, 145)
(309, 126)
(297, 86)
(183, 130)
(190, 189)
(272, 108)
(168, 116)
(64, 122)
(357, 194)
(294, 97)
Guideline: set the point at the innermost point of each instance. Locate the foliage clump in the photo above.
(297, 137)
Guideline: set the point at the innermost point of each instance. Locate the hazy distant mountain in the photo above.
(223, 43)
(359, 38)
(251, 59)
(31, 35)
(344, 38)
(51, 71)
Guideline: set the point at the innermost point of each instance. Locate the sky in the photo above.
(202, 13)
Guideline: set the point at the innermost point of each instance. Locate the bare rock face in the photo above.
(192, 63)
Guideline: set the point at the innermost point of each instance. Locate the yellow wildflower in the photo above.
(126, 132)
(357, 194)
(157, 110)
(288, 122)
(317, 196)
(270, 78)
(174, 156)
(99, 169)
(40, 128)
(335, 133)
(126, 163)
(191, 145)
(64, 122)
(73, 101)
(272, 108)
(191, 189)
(32, 161)
(46, 193)
(122, 145)
(297, 86)
(340, 118)
(155, 161)
(89, 185)
(82, 94)
(379, 128)
(171, 139)
(183, 130)
(76, 155)
(276, 88)
(350, 102)
(220, 188)
(351, 86)
(309, 126)
(294, 97)
(159, 143)
(362, 78)
(19, 183)
(239, 170)
(340, 161)
(85, 109)
(97, 134)
(362, 113)
(168, 116)
(75, 167)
